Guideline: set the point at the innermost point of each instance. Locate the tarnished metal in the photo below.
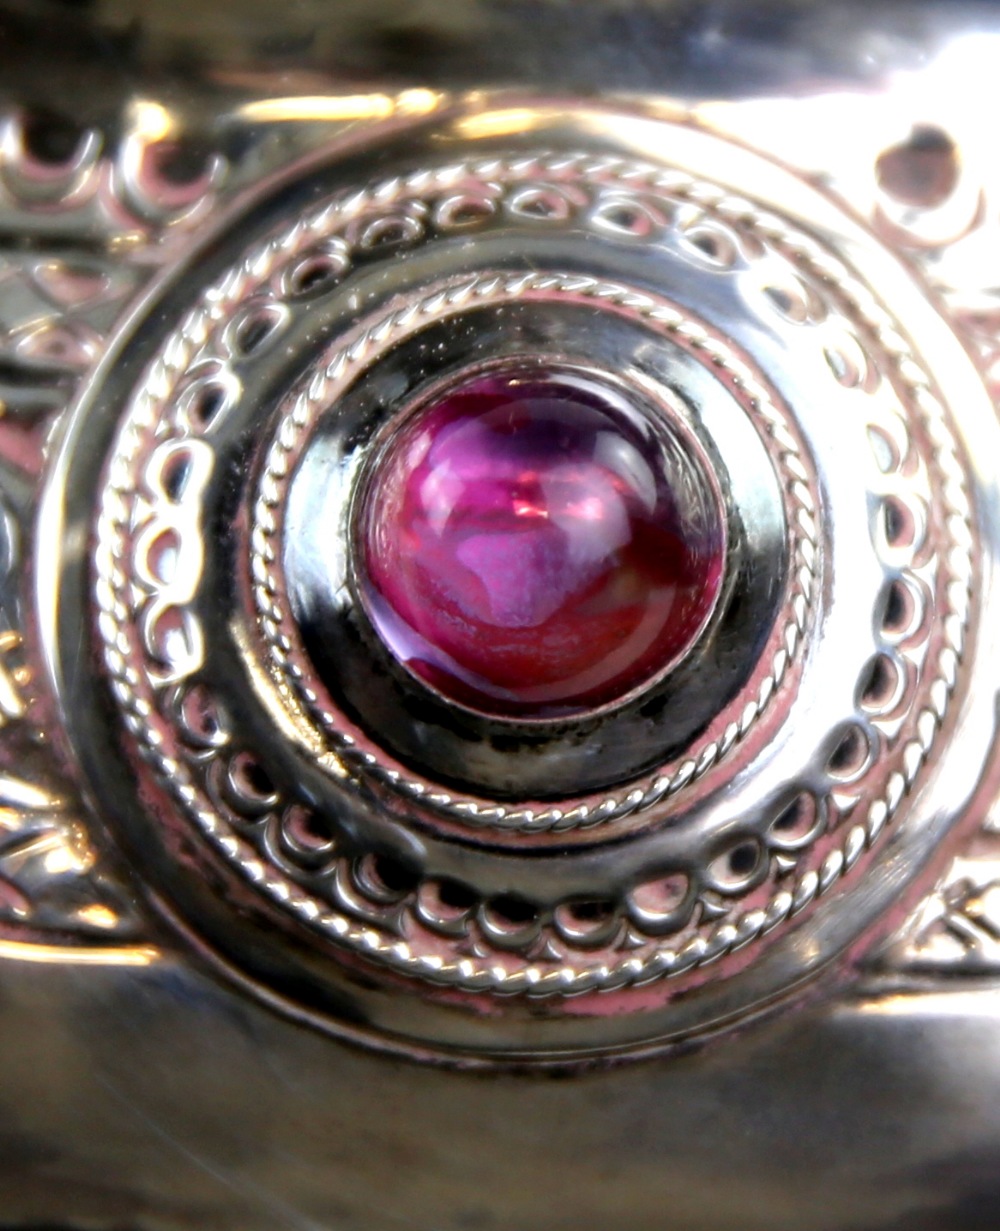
(287, 936)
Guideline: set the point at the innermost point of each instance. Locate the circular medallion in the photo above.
(532, 586)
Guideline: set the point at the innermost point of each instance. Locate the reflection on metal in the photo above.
(218, 304)
(335, 110)
(73, 955)
(12, 705)
(957, 928)
(52, 879)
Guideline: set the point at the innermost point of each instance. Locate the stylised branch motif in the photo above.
(52, 879)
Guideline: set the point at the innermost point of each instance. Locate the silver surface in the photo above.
(203, 1008)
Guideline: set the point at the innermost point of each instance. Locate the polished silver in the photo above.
(756, 892)
(795, 763)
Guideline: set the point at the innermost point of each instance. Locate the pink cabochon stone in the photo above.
(532, 546)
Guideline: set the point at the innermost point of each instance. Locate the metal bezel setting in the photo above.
(909, 540)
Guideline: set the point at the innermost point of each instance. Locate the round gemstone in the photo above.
(533, 545)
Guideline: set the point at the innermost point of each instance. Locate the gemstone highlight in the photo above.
(532, 545)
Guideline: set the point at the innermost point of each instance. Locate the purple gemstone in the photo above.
(531, 545)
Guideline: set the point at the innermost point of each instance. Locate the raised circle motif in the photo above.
(363, 923)
(323, 389)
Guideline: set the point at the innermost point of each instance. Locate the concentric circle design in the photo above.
(724, 724)
(340, 827)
